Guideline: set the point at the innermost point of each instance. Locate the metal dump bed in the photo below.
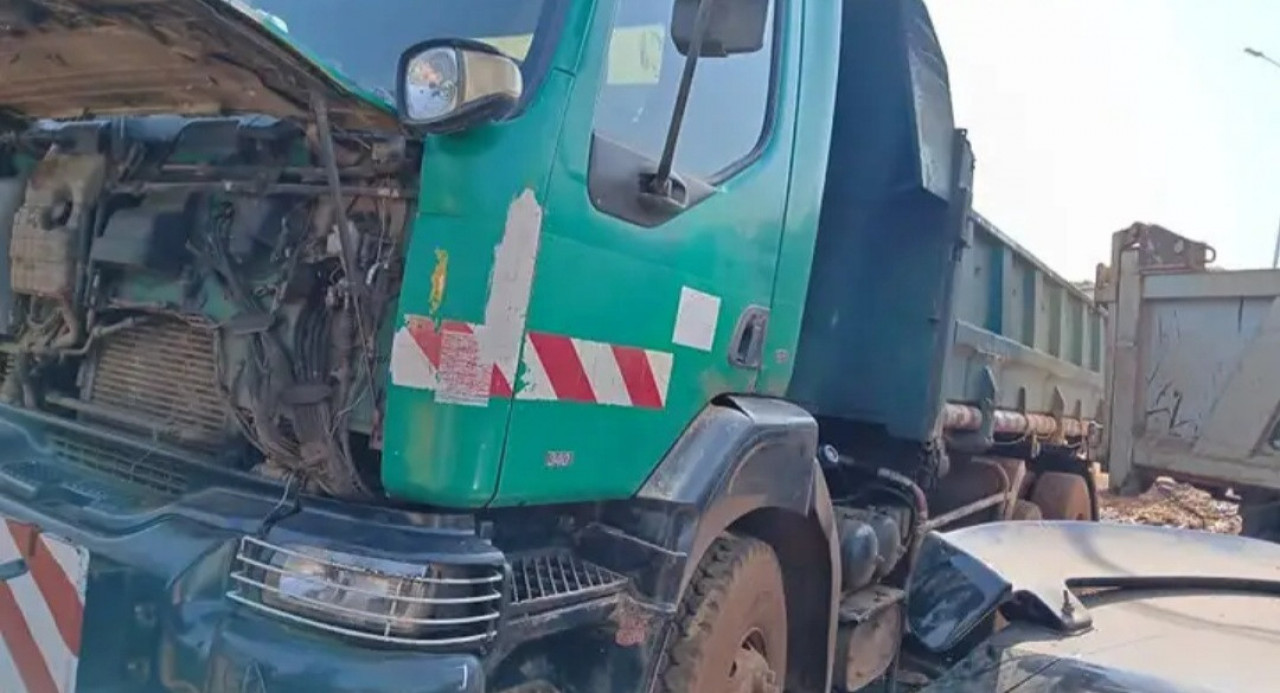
(1195, 365)
(1025, 337)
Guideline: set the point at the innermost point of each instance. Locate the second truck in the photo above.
(1192, 388)
(614, 345)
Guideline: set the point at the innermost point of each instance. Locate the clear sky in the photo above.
(1088, 115)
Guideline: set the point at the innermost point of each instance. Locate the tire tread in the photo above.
(727, 557)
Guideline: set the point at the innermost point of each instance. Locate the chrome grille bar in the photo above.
(467, 614)
(476, 638)
(258, 543)
(319, 580)
(392, 620)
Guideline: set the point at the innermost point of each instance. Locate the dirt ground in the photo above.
(1174, 505)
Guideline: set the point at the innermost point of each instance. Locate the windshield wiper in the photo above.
(1215, 583)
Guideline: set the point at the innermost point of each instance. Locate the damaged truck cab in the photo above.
(426, 345)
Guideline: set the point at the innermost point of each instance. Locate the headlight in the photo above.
(370, 597)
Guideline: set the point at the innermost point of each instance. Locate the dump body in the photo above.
(1024, 344)
(1037, 334)
(1195, 365)
(919, 313)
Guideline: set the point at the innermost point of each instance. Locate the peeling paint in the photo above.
(464, 375)
(511, 284)
(465, 363)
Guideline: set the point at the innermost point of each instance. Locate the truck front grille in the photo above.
(547, 580)
(154, 470)
(163, 373)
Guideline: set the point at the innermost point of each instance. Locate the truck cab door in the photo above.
(644, 310)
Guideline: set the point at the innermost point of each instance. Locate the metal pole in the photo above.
(1275, 256)
(1254, 52)
(1262, 56)
(962, 417)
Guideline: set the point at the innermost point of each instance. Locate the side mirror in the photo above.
(734, 26)
(450, 85)
(949, 594)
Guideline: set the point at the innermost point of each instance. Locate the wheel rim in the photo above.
(750, 671)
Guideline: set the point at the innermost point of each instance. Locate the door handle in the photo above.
(746, 349)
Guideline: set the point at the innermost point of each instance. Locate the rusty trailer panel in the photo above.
(1195, 365)
(1027, 340)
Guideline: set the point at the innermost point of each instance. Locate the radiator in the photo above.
(163, 374)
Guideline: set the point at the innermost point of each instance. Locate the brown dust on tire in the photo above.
(1062, 496)
(732, 624)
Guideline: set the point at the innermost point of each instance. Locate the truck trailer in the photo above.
(537, 345)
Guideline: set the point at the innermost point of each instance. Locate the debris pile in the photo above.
(1172, 504)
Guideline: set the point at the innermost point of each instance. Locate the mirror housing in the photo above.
(735, 26)
(950, 593)
(451, 85)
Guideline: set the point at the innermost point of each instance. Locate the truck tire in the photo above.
(1062, 496)
(731, 632)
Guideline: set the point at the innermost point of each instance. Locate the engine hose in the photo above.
(898, 480)
(326, 452)
(75, 330)
(343, 329)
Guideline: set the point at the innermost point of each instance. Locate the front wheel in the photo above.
(732, 623)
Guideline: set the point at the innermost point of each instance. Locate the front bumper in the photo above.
(255, 655)
(156, 615)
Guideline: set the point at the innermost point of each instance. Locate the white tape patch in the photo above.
(514, 261)
(467, 354)
(601, 369)
(464, 374)
(661, 364)
(410, 366)
(696, 320)
(535, 382)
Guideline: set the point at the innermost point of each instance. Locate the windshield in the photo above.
(363, 39)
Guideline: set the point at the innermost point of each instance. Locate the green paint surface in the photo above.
(598, 278)
(439, 452)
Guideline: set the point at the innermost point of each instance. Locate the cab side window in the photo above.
(729, 105)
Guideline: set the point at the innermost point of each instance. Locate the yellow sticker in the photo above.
(635, 55)
(513, 46)
(438, 279)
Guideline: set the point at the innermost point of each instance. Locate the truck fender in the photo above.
(749, 464)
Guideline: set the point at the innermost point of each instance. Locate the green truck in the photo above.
(538, 345)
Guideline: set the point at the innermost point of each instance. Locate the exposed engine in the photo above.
(219, 286)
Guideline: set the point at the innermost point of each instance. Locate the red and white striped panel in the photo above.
(449, 360)
(418, 349)
(41, 611)
(577, 370)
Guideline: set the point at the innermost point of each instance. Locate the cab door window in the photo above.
(729, 109)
